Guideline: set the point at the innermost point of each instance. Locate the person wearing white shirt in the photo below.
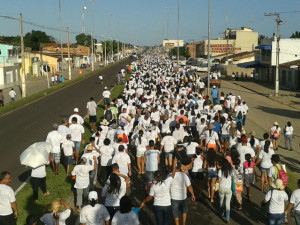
(288, 135)
(64, 129)
(211, 138)
(141, 143)
(245, 149)
(125, 215)
(107, 152)
(12, 94)
(160, 191)
(77, 136)
(38, 178)
(123, 160)
(152, 161)
(277, 197)
(90, 154)
(275, 134)
(91, 113)
(295, 204)
(68, 148)
(79, 118)
(94, 213)
(81, 171)
(180, 184)
(106, 95)
(168, 144)
(8, 205)
(57, 217)
(56, 139)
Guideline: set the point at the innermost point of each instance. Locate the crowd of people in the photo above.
(179, 141)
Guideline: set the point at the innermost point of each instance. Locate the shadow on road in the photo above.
(279, 112)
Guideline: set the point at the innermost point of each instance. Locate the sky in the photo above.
(144, 22)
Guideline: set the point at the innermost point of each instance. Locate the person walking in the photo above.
(288, 136)
(1, 99)
(12, 94)
(125, 215)
(141, 144)
(294, 205)
(210, 164)
(106, 95)
(8, 204)
(77, 136)
(275, 135)
(38, 178)
(91, 113)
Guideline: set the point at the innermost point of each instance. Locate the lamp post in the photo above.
(208, 50)
(178, 35)
(83, 24)
(109, 15)
(93, 33)
(168, 9)
(61, 44)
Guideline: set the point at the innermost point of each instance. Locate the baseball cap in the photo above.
(105, 88)
(55, 125)
(93, 195)
(244, 140)
(76, 110)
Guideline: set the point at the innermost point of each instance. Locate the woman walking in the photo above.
(275, 134)
(288, 135)
(210, 164)
(141, 143)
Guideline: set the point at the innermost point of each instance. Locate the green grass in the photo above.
(9, 107)
(58, 186)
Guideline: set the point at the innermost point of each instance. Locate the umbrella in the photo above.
(36, 155)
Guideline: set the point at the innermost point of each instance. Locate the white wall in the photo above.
(289, 50)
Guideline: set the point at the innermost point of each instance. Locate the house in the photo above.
(194, 49)
(169, 44)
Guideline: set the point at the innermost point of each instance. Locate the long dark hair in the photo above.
(158, 176)
(252, 141)
(140, 136)
(266, 146)
(125, 205)
(248, 159)
(226, 168)
(115, 184)
(211, 157)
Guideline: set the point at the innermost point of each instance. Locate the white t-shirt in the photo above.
(82, 175)
(295, 199)
(289, 130)
(12, 93)
(191, 148)
(277, 201)
(262, 144)
(178, 186)
(266, 158)
(106, 155)
(161, 192)
(68, 147)
(169, 143)
(122, 159)
(92, 106)
(106, 94)
(225, 182)
(165, 126)
(113, 199)
(151, 160)
(273, 130)
(197, 164)
(96, 215)
(39, 172)
(79, 119)
(125, 219)
(55, 139)
(48, 219)
(7, 196)
(243, 150)
(76, 131)
(211, 139)
(63, 130)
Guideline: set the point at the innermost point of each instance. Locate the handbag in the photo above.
(265, 207)
(216, 187)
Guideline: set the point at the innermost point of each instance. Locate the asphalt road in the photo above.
(31, 123)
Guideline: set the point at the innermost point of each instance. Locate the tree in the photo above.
(295, 35)
(183, 51)
(260, 38)
(83, 39)
(35, 38)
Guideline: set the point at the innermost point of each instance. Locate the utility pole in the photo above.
(226, 35)
(167, 8)
(278, 23)
(178, 36)
(23, 59)
(208, 51)
(105, 51)
(112, 49)
(61, 44)
(92, 56)
(118, 50)
(69, 57)
(83, 24)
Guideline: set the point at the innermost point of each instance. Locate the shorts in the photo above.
(140, 153)
(55, 157)
(69, 160)
(212, 174)
(77, 145)
(168, 154)
(179, 206)
(1, 102)
(149, 176)
(93, 119)
(197, 176)
(249, 179)
(263, 170)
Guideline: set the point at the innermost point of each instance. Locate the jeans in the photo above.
(92, 177)
(297, 217)
(36, 183)
(82, 196)
(106, 101)
(162, 214)
(225, 137)
(225, 193)
(288, 140)
(275, 219)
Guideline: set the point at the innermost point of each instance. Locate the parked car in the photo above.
(83, 66)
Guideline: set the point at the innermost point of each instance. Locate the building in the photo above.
(169, 44)
(194, 49)
(234, 42)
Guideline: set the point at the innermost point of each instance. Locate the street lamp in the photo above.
(208, 50)
(83, 25)
(167, 8)
(109, 15)
(93, 33)
(178, 35)
(61, 44)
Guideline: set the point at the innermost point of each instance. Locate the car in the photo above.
(83, 66)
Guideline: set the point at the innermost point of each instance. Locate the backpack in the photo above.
(225, 104)
(282, 175)
(108, 115)
(240, 115)
(275, 134)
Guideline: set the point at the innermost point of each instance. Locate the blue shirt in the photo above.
(136, 210)
(214, 93)
(217, 127)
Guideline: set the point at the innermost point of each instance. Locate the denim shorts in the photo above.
(69, 160)
(149, 176)
(169, 154)
(179, 206)
(263, 170)
(212, 174)
(77, 145)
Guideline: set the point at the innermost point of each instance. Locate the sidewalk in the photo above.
(285, 97)
(38, 84)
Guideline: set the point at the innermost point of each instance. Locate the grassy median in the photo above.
(59, 186)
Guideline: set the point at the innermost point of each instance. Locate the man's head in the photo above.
(121, 148)
(65, 121)
(275, 159)
(55, 126)
(115, 168)
(5, 178)
(74, 119)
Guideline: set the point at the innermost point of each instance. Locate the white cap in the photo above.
(105, 88)
(93, 195)
(76, 110)
(144, 105)
(214, 86)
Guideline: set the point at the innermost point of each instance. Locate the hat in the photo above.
(93, 195)
(104, 122)
(76, 110)
(239, 97)
(244, 140)
(90, 148)
(211, 126)
(278, 184)
(253, 133)
(214, 86)
(112, 103)
(105, 88)
(275, 123)
(68, 136)
(200, 96)
(55, 125)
